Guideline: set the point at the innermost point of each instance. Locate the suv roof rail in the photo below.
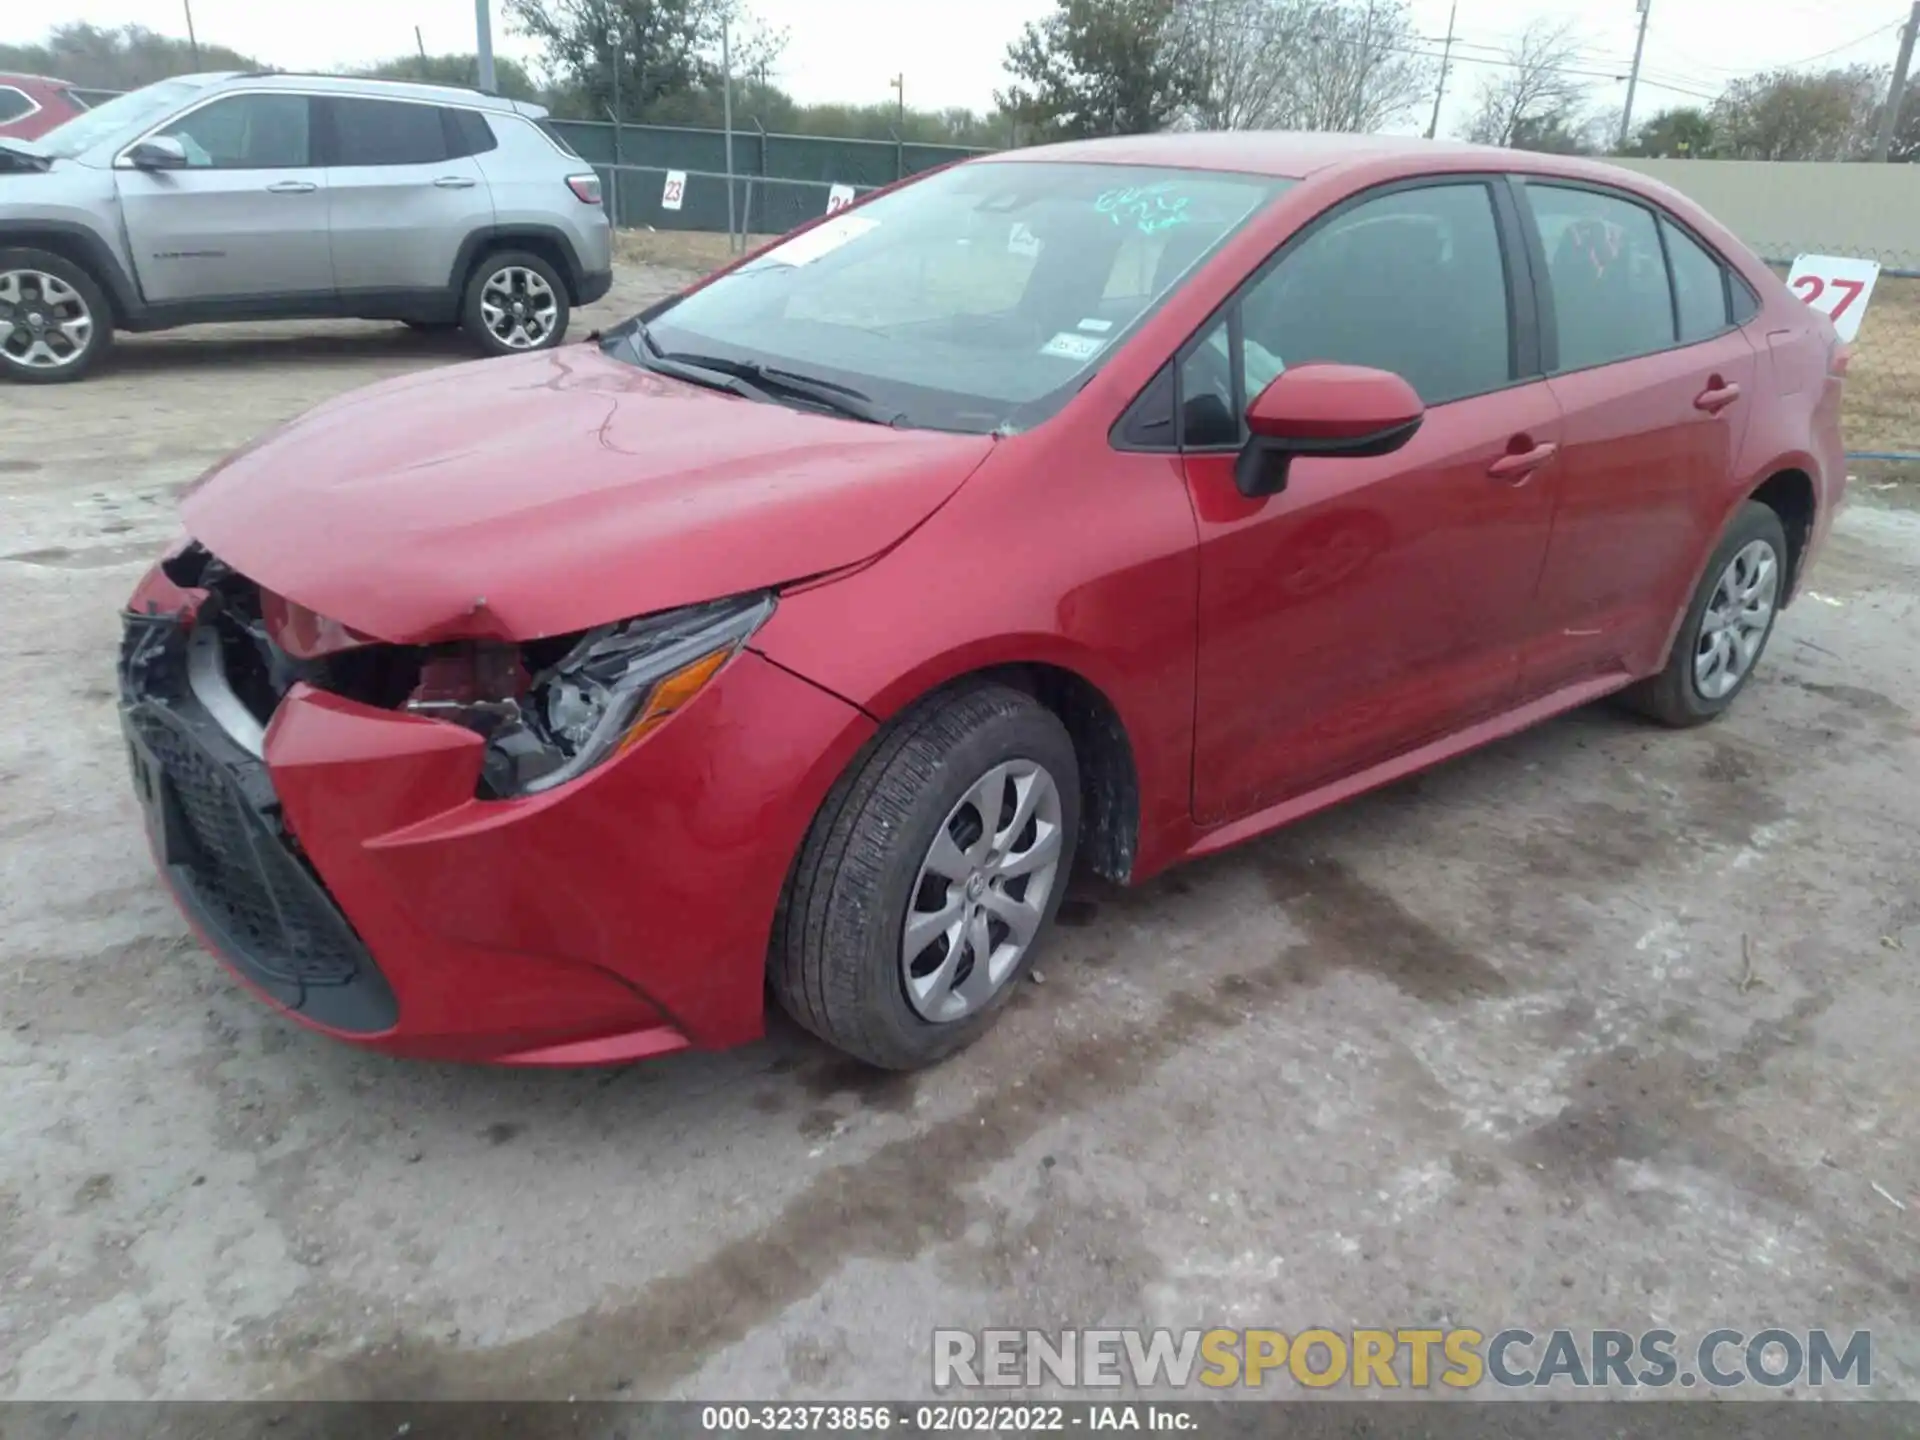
(364, 80)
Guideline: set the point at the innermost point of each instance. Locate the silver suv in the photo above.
(257, 197)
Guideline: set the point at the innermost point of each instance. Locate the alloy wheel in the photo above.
(1736, 619)
(44, 322)
(982, 891)
(519, 307)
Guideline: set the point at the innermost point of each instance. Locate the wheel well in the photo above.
(74, 251)
(1109, 781)
(1789, 495)
(545, 246)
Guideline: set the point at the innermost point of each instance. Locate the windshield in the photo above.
(131, 112)
(977, 299)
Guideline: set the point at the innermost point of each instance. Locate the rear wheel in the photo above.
(929, 878)
(514, 304)
(1726, 626)
(54, 322)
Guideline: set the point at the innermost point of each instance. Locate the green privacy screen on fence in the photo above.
(783, 178)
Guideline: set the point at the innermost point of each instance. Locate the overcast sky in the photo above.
(850, 49)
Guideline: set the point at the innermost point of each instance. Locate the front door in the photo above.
(1374, 603)
(1656, 385)
(400, 205)
(246, 221)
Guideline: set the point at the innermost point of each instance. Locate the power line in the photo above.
(1871, 34)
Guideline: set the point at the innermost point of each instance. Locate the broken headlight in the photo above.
(615, 685)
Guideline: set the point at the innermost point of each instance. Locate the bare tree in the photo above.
(1301, 64)
(1534, 95)
(1362, 69)
(1240, 53)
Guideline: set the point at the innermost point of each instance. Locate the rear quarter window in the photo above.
(467, 133)
(15, 104)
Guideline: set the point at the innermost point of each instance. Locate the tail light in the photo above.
(586, 188)
(1838, 359)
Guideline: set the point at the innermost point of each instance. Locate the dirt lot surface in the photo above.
(1479, 1049)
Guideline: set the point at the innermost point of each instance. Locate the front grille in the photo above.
(249, 881)
(216, 822)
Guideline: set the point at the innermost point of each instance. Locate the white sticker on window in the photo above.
(823, 239)
(1022, 241)
(1073, 347)
(1099, 327)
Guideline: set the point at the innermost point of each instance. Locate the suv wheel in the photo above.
(515, 303)
(929, 878)
(54, 322)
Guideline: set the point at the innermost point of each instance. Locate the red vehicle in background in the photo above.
(31, 105)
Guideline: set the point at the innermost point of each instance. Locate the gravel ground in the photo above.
(1479, 1049)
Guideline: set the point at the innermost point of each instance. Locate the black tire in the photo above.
(90, 299)
(475, 321)
(1673, 696)
(835, 962)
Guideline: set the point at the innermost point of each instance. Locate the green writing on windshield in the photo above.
(1150, 208)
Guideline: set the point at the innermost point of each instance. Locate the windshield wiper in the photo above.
(650, 356)
(760, 381)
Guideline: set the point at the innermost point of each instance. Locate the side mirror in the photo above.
(158, 152)
(1324, 410)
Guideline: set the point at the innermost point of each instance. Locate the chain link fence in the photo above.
(825, 160)
(637, 199)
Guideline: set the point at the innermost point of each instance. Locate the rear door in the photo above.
(246, 221)
(405, 194)
(1656, 384)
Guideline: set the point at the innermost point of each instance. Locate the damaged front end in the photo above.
(549, 709)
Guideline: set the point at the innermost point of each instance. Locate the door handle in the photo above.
(1716, 397)
(292, 187)
(454, 182)
(1518, 467)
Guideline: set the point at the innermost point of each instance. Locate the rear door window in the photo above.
(1607, 275)
(386, 132)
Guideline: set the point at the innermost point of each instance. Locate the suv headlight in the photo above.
(615, 685)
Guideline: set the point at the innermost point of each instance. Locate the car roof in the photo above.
(1296, 154)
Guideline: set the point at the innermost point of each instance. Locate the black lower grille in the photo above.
(256, 889)
(216, 822)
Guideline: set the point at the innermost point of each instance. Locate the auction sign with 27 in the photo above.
(1837, 286)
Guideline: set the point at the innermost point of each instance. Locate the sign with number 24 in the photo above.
(1837, 286)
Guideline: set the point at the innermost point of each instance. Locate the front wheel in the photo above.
(1727, 625)
(54, 322)
(514, 304)
(929, 878)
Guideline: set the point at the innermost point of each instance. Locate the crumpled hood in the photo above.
(534, 496)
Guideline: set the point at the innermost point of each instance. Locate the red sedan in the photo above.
(1101, 505)
(31, 105)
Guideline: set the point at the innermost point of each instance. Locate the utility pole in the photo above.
(899, 86)
(420, 44)
(483, 31)
(1446, 54)
(193, 42)
(726, 114)
(1896, 92)
(1633, 76)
